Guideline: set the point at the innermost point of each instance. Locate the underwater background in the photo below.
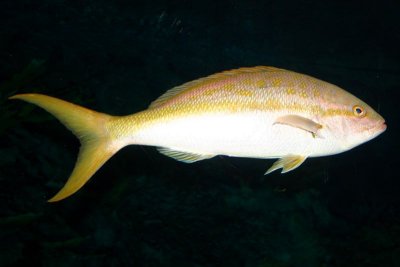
(144, 209)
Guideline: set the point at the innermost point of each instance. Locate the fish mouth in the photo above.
(378, 129)
(381, 127)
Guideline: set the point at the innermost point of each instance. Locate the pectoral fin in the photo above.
(300, 122)
(287, 163)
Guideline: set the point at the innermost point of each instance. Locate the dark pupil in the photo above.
(358, 110)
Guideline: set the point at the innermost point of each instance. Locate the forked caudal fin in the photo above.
(92, 129)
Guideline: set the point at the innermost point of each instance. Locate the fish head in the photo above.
(351, 121)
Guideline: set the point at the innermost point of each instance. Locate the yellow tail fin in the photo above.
(93, 130)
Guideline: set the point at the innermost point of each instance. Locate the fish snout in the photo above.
(383, 126)
(379, 127)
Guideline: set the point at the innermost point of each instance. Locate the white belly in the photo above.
(252, 134)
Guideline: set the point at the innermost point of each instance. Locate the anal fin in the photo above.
(186, 157)
(287, 163)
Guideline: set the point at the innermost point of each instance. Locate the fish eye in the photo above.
(359, 111)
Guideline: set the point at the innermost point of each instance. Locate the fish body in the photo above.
(259, 112)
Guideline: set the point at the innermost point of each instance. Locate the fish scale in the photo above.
(258, 112)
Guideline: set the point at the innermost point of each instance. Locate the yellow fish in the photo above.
(259, 112)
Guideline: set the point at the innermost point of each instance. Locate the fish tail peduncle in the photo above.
(93, 130)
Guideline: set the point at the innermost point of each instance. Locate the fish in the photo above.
(252, 112)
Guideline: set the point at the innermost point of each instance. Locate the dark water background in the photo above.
(144, 209)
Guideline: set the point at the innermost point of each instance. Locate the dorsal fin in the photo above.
(168, 95)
